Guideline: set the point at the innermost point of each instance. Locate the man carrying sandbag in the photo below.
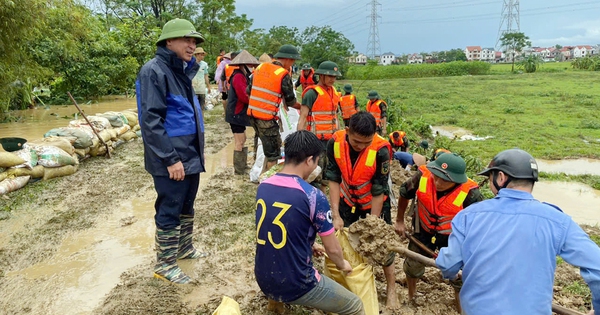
(358, 170)
(173, 132)
(289, 214)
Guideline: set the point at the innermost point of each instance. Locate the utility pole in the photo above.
(373, 45)
(509, 19)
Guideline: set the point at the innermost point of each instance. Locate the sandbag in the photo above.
(228, 306)
(53, 172)
(136, 128)
(361, 281)
(28, 155)
(83, 136)
(114, 120)
(3, 176)
(12, 184)
(65, 143)
(121, 116)
(105, 135)
(36, 172)
(258, 163)
(8, 159)
(113, 134)
(122, 130)
(128, 136)
(53, 157)
(132, 118)
(101, 149)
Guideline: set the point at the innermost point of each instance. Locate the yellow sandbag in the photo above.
(101, 149)
(361, 281)
(113, 134)
(228, 306)
(36, 172)
(122, 130)
(53, 172)
(105, 135)
(59, 142)
(132, 118)
(3, 176)
(8, 159)
(128, 136)
(12, 184)
(81, 152)
(136, 128)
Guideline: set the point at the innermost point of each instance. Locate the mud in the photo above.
(372, 238)
(47, 250)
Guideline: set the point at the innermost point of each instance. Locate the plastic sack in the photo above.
(54, 172)
(28, 155)
(65, 143)
(49, 156)
(289, 121)
(36, 172)
(361, 281)
(83, 136)
(8, 159)
(258, 163)
(114, 120)
(12, 184)
(132, 118)
(228, 306)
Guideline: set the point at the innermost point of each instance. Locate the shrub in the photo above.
(455, 68)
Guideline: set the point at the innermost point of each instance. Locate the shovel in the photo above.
(376, 249)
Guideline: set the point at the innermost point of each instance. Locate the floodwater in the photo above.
(570, 167)
(456, 132)
(578, 200)
(36, 122)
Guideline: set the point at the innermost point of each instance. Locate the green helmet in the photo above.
(373, 95)
(179, 28)
(348, 88)
(288, 52)
(450, 167)
(306, 66)
(328, 68)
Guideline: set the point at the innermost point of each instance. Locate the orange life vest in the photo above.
(219, 59)
(355, 188)
(266, 93)
(436, 215)
(400, 141)
(307, 81)
(373, 108)
(228, 72)
(322, 119)
(348, 105)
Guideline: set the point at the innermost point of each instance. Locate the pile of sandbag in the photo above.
(60, 151)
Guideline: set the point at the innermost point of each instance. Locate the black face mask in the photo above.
(495, 178)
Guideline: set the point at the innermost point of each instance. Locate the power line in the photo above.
(327, 20)
(510, 19)
(373, 44)
(444, 6)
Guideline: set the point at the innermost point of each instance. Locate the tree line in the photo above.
(96, 47)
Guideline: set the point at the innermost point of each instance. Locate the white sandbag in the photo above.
(289, 121)
(99, 123)
(65, 143)
(84, 135)
(12, 184)
(50, 156)
(258, 163)
(28, 155)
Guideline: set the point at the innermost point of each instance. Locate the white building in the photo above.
(582, 51)
(473, 53)
(488, 54)
(415, 59)
(358, 59)
(387, 58)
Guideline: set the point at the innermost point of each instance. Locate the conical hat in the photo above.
(419, 159)
(264, 58)
(244, 58)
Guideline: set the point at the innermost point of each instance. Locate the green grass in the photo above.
(550, 115)
(504, 68)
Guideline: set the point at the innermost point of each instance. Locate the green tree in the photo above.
(154, 12)
(280, 35)
(514, 42)
(323, 43)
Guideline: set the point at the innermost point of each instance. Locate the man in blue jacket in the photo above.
(507, 246)
(173, 133)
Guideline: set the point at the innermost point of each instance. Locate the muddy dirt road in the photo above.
(83, 245)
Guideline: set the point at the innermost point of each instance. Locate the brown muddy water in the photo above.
(570, 167)
(456, 132)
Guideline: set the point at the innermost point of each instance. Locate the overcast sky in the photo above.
(433, 25)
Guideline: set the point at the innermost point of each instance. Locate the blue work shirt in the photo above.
(507, 248)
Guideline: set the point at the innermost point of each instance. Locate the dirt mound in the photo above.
(372, 237)
(398, 174)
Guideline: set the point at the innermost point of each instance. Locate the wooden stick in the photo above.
(93, 129)
(421, 245)
(431, 263)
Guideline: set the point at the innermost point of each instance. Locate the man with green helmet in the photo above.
(272, 86)
(307, 77)
(442, 190)
(378, 108)
(318, 113)
(173, 133)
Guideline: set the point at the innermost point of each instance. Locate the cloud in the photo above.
(589, 34)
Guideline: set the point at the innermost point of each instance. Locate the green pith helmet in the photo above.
(288, 51)
(328, 68)
(373, 95)
(179, 28)
(424, 144)
(306, 66)
(450, 167)
(348, 88)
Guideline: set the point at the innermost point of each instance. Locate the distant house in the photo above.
(488, 54)
(566, 53)
(387, 58)
(499, 57)
(581, 51)
(473, 53)
(359, 59)
(415, 59)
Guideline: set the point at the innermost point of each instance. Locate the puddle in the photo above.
(456, 132)
(570, 167)
(36, 122)
(578, 200)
